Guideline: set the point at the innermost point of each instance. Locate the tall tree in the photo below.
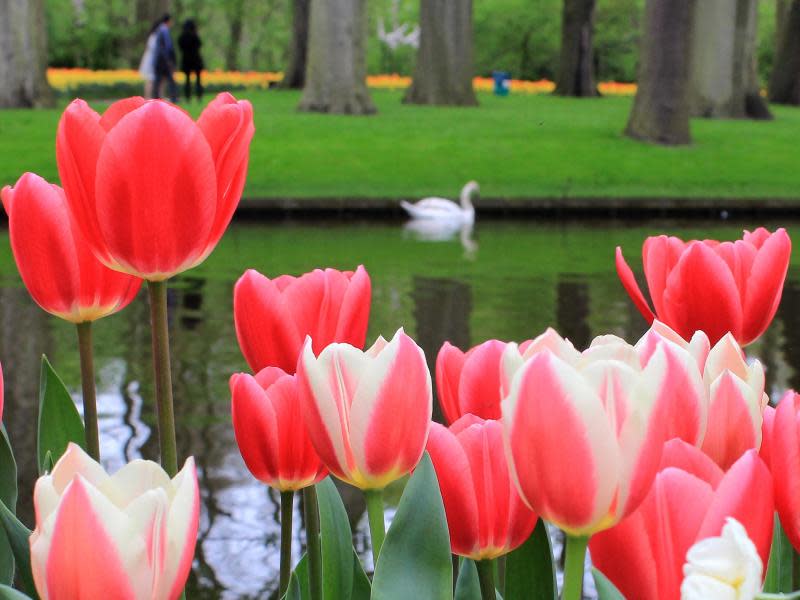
(576, 65)
(336, 72)
(295, 75)
(724, 54)
(784, 83)
(444, 70)
(235, 12)
(660, 111)
(23, 48)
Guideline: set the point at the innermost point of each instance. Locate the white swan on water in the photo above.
(441, 209)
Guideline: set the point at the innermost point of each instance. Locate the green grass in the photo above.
(520, 146)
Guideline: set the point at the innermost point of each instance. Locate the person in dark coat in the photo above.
(164, 60)
(191, 61)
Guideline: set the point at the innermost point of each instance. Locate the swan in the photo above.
(441, 209)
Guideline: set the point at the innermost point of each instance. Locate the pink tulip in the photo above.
(583, 444)
(152, 190)
(784, 456)
(515, 356)
(274, 316)
(485, 514)
(711, 286)
(269, 428)
(737, 401)
(368, 413)
(128, 536)
(55, 262)
(690, 500)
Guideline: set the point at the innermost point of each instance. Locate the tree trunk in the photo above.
(784, 83)
(444, 70)
(23, 55)
(576, 66)
(336, 73)
(724, 54)
(295, 76)
(236, 22)
(660, 111)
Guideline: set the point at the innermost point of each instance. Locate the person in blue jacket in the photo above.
(164, 60)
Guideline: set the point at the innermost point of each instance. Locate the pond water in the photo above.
(506, 280)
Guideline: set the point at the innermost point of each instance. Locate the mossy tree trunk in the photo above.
(576, 65)
(784, 83)
(444, 70)
(336, 72)
(724, 54)
(660, 111)
(295, 76)
(23, 55)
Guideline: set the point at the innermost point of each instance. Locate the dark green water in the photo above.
(508, 280)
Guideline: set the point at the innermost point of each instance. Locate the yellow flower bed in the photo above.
(65, 79)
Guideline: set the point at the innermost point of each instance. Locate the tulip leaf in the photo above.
(362, 589)
(415, 558)
(530, 573)
(780, 566)
(468, 587)
(298, 582)
(605, 589)
(9, 593)
(18, 535)
(337, 542)
(59, 420)
(8, 494)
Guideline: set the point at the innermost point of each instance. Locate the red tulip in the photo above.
(274, 316)
(151, 190)
(690, 500)
(485, 514)
(784, 456)
(711, 286)
(55, 262)
(269, 428)
(368, 413)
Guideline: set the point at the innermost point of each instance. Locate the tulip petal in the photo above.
(449, 364)
(765, 285)
(734, 424)
(629, 283)
(785, 461)
(255, 427)
(117, 110)
(681, 455)
(479, 387)
(182, 523)
(354, 310)
(660, 254)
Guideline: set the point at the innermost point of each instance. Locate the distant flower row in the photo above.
(71, 80)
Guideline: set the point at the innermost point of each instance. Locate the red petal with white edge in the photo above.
(660, 254)
(734, 421)
(354, 311)
(458, 491)
(391, 411)
(78, 141)
(84, 558)
(765, 285)
(449, 363)
(182, 523)
(265, 328)
(557, 434)
(629, 283)
(155, 191)
(745, 493)
(701, 295)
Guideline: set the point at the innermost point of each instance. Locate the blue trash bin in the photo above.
(502, 83)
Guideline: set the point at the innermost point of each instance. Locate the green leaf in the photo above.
(468, 587)
(18, 536)
(605, 589)
(59, 420)
(780, 566)
(337, 542)
(530, 573)
(9, 593)
(298, 582)
(415, 557)
(362, 589)
(8, 495)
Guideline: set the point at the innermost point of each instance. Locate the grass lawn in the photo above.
(520, 146)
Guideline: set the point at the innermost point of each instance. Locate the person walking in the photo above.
(165, 60)
(191, 60)
(147, 67)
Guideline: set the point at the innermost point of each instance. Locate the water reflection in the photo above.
(525, 278)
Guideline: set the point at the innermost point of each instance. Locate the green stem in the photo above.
(573, 568)
(287, 509)
(89, 394)
(486, 579)
(313, 549)
(795, 569)
(792, 596)
(163, 375)
(377, 532)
